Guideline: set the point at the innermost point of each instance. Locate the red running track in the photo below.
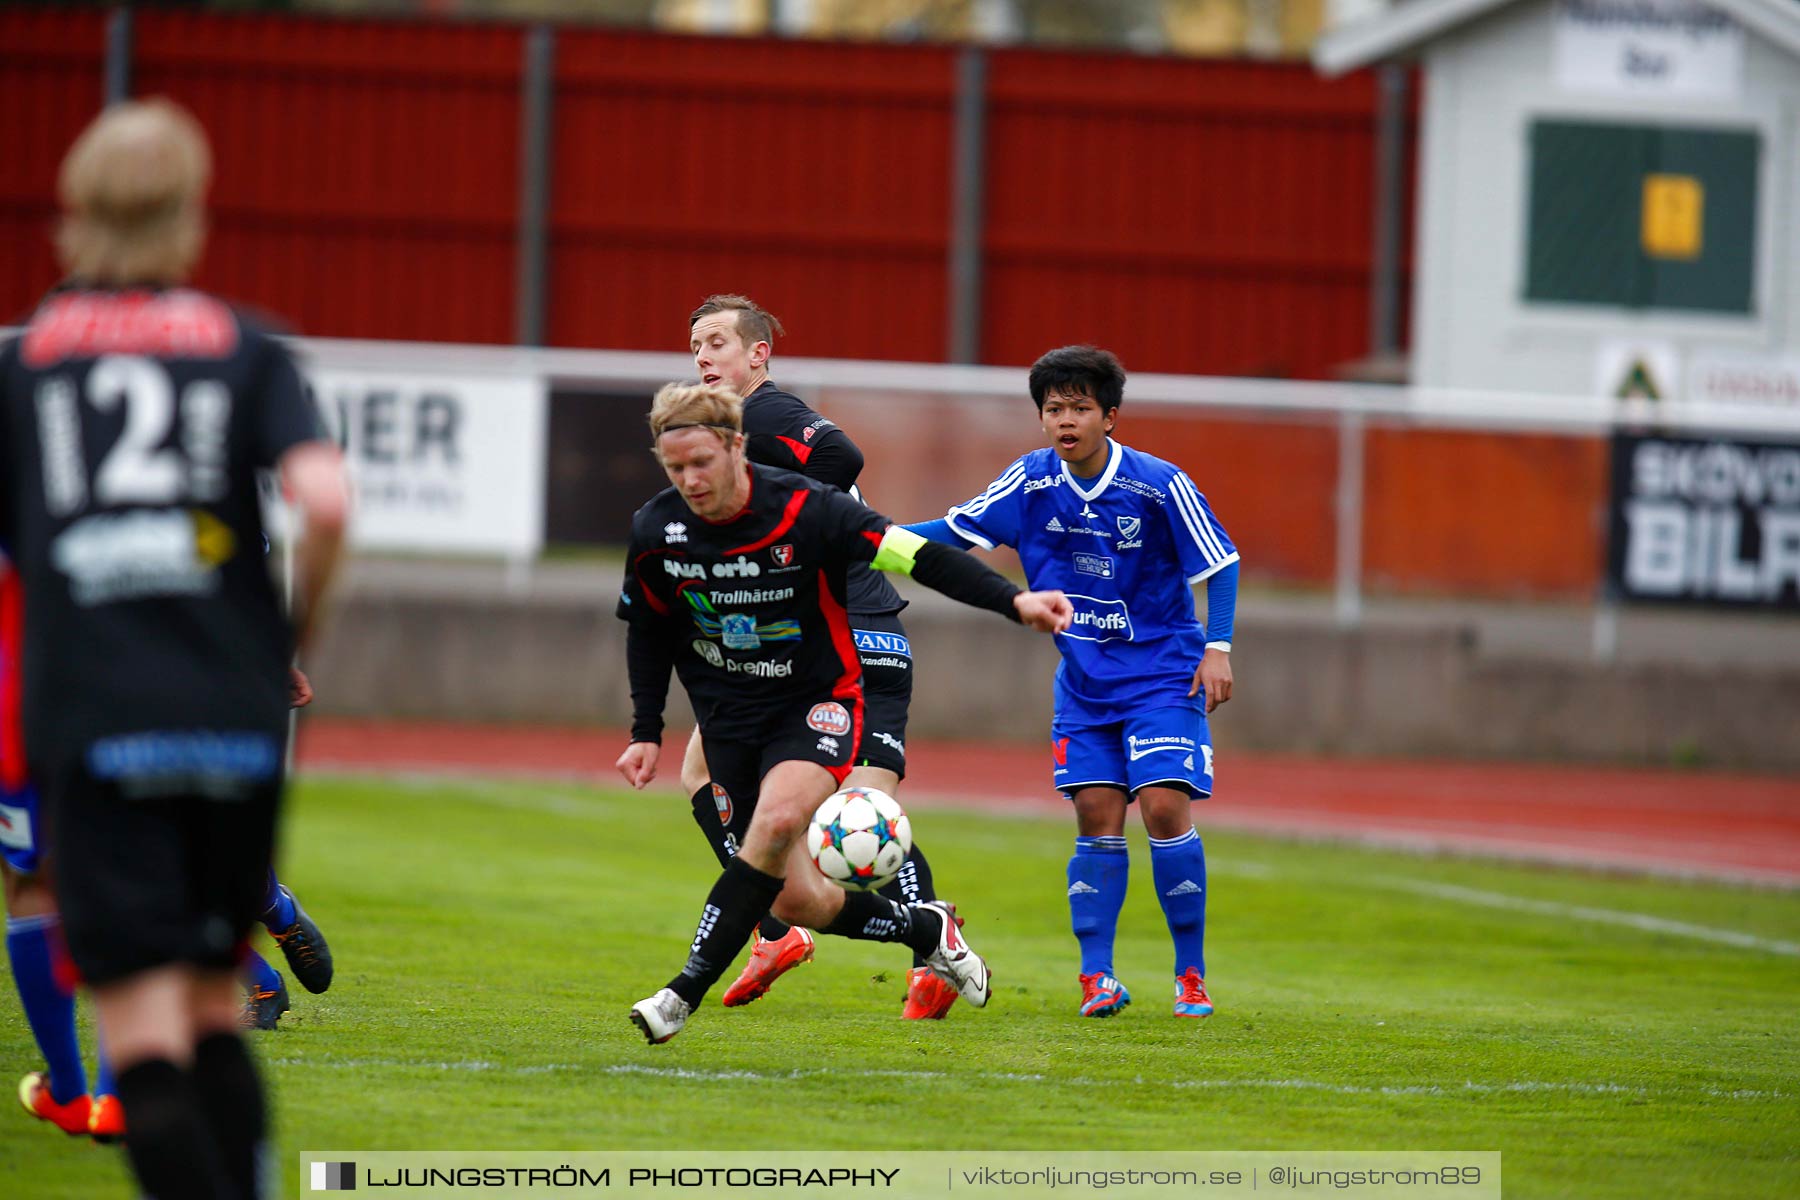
(1744, 828)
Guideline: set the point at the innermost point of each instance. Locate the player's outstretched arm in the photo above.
(1046, 612)
(961, 576)
(939, 531)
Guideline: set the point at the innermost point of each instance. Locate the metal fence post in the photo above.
(1390, 203)
(968, 191)
(118, 56)
(536, 113)
(1351, 439)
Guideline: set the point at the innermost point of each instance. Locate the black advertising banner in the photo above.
(1705, 520)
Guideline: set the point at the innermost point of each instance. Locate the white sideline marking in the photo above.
(1606, 916)
(703, 1075)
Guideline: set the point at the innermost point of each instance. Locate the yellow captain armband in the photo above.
(899, 550)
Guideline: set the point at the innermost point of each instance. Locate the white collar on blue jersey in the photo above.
(1115, 455)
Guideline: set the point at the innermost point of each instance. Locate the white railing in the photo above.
(1352, 407)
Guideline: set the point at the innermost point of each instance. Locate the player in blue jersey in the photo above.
(1125, 535)
(59, 1093)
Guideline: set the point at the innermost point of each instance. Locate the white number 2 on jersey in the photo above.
(140, 469)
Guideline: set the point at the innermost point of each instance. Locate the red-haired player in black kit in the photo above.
(732, 338)
(736, 578)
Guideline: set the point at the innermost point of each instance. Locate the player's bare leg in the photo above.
(225, 1077)
(1097, 876)
(1178, 864)
(694, 774)
(148, 1022)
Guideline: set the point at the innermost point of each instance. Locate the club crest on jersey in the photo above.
(738, 631)
(722, 802)
(709, 652)
(1129, 526)
(829, 718)
(675, 531)
(782, 554)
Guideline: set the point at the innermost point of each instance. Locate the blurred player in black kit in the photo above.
(731, 338)
(736, 578)
(135, 416)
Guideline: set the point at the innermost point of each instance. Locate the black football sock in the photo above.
(712, 828)
(724, 847)
(733, 907)
(168, 1141)
(231, 1096)
(912, 886)
(868, 918)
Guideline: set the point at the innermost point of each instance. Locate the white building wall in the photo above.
(1485, 84)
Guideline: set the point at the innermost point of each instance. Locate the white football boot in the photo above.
(661, 1016)
(954, 961)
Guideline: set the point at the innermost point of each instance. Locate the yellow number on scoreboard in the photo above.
(1673, 205)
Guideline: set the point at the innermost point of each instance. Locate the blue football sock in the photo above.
(1097, 875)
(104, 1082)
(261, 976)
(49, 1010)
(278, 906)
(1178, 865)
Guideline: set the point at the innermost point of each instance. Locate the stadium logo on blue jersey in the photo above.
(1099, 620)
(1094, 564)
(870, 642)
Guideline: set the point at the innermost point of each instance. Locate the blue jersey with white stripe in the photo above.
(1126, 548)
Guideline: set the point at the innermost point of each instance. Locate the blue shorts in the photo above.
(1164, 747)
(21, 842)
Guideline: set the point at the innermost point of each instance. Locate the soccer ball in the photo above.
(859, 838)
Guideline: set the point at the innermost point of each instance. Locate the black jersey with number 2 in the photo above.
(751, 611)
(133, 428)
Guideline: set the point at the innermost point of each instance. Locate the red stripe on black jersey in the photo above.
(662, 610)
(801, 450)
(12, 686)
(849, 684)
(795, 503)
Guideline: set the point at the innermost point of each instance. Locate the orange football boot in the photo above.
(769, 961)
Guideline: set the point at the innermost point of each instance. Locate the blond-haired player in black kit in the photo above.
(135, 418)
(732, 338)
(736, 578)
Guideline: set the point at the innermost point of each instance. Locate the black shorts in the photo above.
(887, 690)
(823, 733)
(146, 882)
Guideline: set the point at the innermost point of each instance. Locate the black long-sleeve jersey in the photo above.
(782, 431)
(751, 611)
(133, 425)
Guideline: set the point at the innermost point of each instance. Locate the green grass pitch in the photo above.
(1611, 1037)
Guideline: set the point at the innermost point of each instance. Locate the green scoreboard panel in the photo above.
(1642, 216)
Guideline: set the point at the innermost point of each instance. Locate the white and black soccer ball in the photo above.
(859, 838)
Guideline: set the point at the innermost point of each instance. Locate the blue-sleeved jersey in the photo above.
(1126, 547)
